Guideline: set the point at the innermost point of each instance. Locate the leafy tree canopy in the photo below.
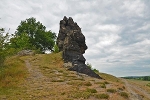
(32, 34)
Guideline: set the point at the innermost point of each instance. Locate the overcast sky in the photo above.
(117, 31)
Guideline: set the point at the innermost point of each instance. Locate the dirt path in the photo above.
(34, 72)
(135, 91)
(37, 84)
(142, 91)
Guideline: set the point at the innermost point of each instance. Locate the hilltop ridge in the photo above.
(46, 78)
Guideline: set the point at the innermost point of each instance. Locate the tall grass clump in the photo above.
(111, 90)
(102, 96)
(124, 94)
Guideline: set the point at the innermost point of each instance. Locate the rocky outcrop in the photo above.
(72, 42)
(26, 53)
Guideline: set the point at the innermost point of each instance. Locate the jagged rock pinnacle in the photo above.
(71, 42)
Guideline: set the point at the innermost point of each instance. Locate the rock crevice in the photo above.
(71, 42)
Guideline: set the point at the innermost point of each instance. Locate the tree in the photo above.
(56, 49)
(21, 42)
(1, 48)
(3, 42)
(35, 34)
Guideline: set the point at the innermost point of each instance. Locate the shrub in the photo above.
(121, 89)
(95, 70)
(102, 96)
(111, 90)
(103, 86)
(90, 66)
(106, 82)
(59, 80)
(148, 85)
(87, 84)
(91, 90)
(63, 93)
(124, 94)
(82, 94)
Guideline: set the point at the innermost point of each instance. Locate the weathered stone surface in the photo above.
(67, 65)
(72, 42)
(26, 53)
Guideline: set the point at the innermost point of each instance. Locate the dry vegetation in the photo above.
(143, 84)
(12, 75)
(42, 77)
(141, 87)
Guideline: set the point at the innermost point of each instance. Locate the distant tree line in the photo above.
(29, 35)
(144, 78)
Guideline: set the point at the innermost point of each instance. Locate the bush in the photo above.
(148, 85)
(111, 90)
(124, 94)
(91, 90)
(106, 82)
(87, 84)
(102, 96)
(121, 89)
(82, 94)
(90, 66)
(103, 85)
(95, 70)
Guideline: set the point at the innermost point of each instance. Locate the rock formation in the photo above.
(26, 53)
(71, 42)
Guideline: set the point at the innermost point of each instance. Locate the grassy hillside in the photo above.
(11, 76)
(43, 77)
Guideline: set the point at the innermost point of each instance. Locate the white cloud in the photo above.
(117, 32)
(133, 8)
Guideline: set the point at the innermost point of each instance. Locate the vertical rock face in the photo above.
(72, 42)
